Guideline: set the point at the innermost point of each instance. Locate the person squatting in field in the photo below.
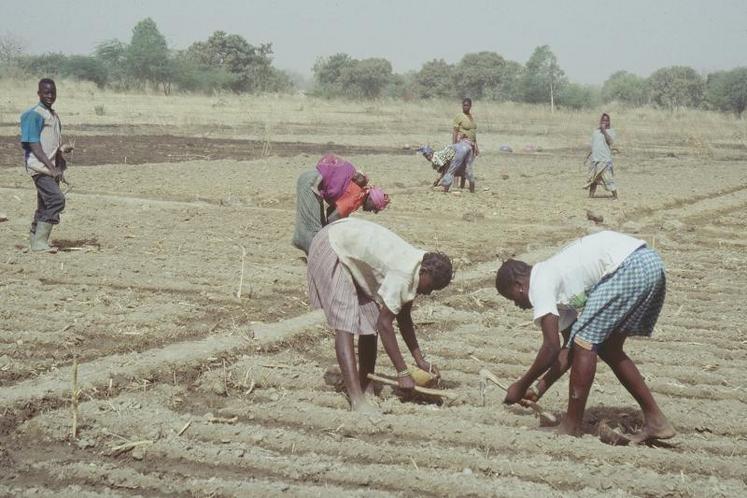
(41, 139)
(345, 190)
(600, 167)
(596, 292)
(450, 162)
(364, 277)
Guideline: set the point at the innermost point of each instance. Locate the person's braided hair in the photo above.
(438, 266)
(509, 272)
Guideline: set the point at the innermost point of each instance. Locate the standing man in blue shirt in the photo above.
(41, 139)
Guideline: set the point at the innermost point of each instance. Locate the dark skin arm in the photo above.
(442, 172)
(385, 327)
(546, 357)
(407, 329)
(556, 371)
(37, 150)
(607, 137)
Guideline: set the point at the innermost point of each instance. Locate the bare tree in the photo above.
(11, 48)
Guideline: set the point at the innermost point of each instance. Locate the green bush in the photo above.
(676, 86)
(727, 90)
(625, 87)
(575, 96)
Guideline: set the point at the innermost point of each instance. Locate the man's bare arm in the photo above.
(546, 357)
(38, 152)
(607, 137)
(556, 371)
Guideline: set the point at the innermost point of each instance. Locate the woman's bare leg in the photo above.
(367, 346)
(346, 359)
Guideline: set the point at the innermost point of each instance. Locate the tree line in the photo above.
(227, 62)
(223, 62)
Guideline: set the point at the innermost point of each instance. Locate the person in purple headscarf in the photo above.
(337, 183)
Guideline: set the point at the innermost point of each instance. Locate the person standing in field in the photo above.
(41, 139)
(600, 168)
(596, 292)
(345, 190)
(465, 131)
(364, 277)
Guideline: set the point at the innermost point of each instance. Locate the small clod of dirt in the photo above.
(472, 217)
(596, 218)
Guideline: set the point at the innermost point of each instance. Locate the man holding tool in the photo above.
(598, 290)
(41, 139)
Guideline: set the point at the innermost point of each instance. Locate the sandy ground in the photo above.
(226, 396)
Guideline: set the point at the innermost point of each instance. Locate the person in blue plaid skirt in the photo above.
(595, 292)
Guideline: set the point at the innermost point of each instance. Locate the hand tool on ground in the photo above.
(422, 390)
(486, 375)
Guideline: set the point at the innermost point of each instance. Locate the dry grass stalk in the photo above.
(267, 142)
(116, 450)
(223, 420)
(275, 365)
(184, 429)
(241, 277)
(74, 394)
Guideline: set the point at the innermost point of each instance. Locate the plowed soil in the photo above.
(190, 388)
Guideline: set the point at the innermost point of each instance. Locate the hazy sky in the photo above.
(591, 39)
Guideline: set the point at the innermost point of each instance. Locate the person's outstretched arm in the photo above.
(407, 329)
(385, 328)
(556, 371)
(546, 357)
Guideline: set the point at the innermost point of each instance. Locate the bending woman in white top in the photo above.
(364, 276)
(596, 292)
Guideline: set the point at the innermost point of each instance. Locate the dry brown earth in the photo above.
(145, 297)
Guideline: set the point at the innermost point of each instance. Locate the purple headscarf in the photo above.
(378, 198)
(336, 175)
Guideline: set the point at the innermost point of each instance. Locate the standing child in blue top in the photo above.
(41, 139)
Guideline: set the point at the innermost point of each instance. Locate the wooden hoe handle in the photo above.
(487, 374)
(418, 389)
